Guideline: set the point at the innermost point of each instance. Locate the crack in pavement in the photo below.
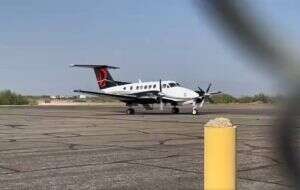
(258, 167)
(104, 118)
(9, 168)
(254, 147)
(96, 164)
(72, 146)
(62, 134)
(268, 182)
(164, 167)
(14, 126)
(276, 162)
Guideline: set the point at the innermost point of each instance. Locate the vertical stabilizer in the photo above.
(103, 76)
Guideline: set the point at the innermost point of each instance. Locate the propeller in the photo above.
(205, 95)
(208, 88)
(201, 92)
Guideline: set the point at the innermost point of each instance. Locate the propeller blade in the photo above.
(213, 93)
(201, 92)
(201, 105)
(200, 89)
(208, 88)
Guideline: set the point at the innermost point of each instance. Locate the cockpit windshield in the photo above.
(172, 84)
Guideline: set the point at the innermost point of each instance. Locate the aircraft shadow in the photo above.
(166, 113)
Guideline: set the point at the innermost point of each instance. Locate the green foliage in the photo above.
(258, 98)
(100, 99)
(262, 98)
(8, 97)
(223, 99)
(245, 99)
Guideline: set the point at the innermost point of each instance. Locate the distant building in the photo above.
(82, 96)
(53, 97)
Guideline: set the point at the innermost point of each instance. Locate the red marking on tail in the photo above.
(102, 77)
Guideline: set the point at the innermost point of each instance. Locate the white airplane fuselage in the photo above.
(146, 93)
(170, 89)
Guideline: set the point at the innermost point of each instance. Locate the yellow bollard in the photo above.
(219, 155)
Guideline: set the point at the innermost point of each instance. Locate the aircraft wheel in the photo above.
(195, 112)
(175, 110)
(130, 111)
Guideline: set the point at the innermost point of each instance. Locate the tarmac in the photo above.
(100, 147)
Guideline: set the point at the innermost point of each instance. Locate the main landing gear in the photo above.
(175, 110)
(130, 111)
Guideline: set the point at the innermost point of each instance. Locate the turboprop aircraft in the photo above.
(146, 93)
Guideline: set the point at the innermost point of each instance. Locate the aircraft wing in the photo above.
(148, 94)
(140, 97)
(119, 97)
(170, 100)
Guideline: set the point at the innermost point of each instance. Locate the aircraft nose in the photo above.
(190, 94)
(194, 94)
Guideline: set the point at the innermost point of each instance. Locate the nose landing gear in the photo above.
(195, 111)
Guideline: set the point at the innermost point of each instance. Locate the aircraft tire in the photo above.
(130, 111)
(175, 110)
(195, 112)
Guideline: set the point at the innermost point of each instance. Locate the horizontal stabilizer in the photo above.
(95, 66)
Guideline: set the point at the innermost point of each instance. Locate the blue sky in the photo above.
(148, 39)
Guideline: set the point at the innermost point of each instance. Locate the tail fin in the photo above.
(104, 79)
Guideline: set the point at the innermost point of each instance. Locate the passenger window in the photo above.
(164, 85)
(172, 85)
(150, 86)
(124, 88)
(131, 88)
(141, 87)
(137, 87)
(154, 86)
(145, 87)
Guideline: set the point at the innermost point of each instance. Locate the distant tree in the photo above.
(226, 98)
(8, 97)
(259, 98)
(245, 99)
(223, 99)
(262, 98)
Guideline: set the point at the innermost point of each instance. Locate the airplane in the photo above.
(146, 93)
